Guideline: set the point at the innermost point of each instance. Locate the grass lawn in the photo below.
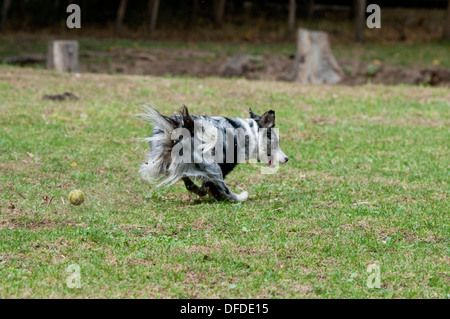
(367, 183)
(432, 53)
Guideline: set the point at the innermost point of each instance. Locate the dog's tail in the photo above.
(161, 143)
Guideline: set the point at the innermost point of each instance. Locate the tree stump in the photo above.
(63, 56)
(314, 62)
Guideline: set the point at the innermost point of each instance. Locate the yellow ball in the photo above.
(76, 197)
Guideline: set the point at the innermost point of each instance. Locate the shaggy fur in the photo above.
(178, 135)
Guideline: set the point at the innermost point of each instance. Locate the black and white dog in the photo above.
(185, 146)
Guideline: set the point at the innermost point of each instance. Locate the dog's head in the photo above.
(269, 150)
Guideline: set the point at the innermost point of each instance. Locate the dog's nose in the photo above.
(286, 159)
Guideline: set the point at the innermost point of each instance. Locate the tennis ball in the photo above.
(76, 197)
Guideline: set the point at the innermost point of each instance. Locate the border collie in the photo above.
(204, 148)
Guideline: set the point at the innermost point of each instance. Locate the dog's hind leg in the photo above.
(190, 186)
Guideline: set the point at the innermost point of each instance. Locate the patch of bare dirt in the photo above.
(202, 63)
(45, 223)
(358, 73)
(384, 234)
(17, 218)
(205, 63)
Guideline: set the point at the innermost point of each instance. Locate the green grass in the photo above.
(415, 54)
(432, 53)
(367, 182)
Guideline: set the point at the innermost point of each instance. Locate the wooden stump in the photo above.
(314, 62)
(63, 56)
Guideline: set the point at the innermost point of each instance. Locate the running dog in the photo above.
(185, 146)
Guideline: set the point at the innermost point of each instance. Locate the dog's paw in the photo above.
(242, 196)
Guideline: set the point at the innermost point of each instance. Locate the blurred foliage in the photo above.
(45, 13)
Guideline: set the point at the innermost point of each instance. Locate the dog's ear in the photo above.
(267, 119)
(253, 115)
